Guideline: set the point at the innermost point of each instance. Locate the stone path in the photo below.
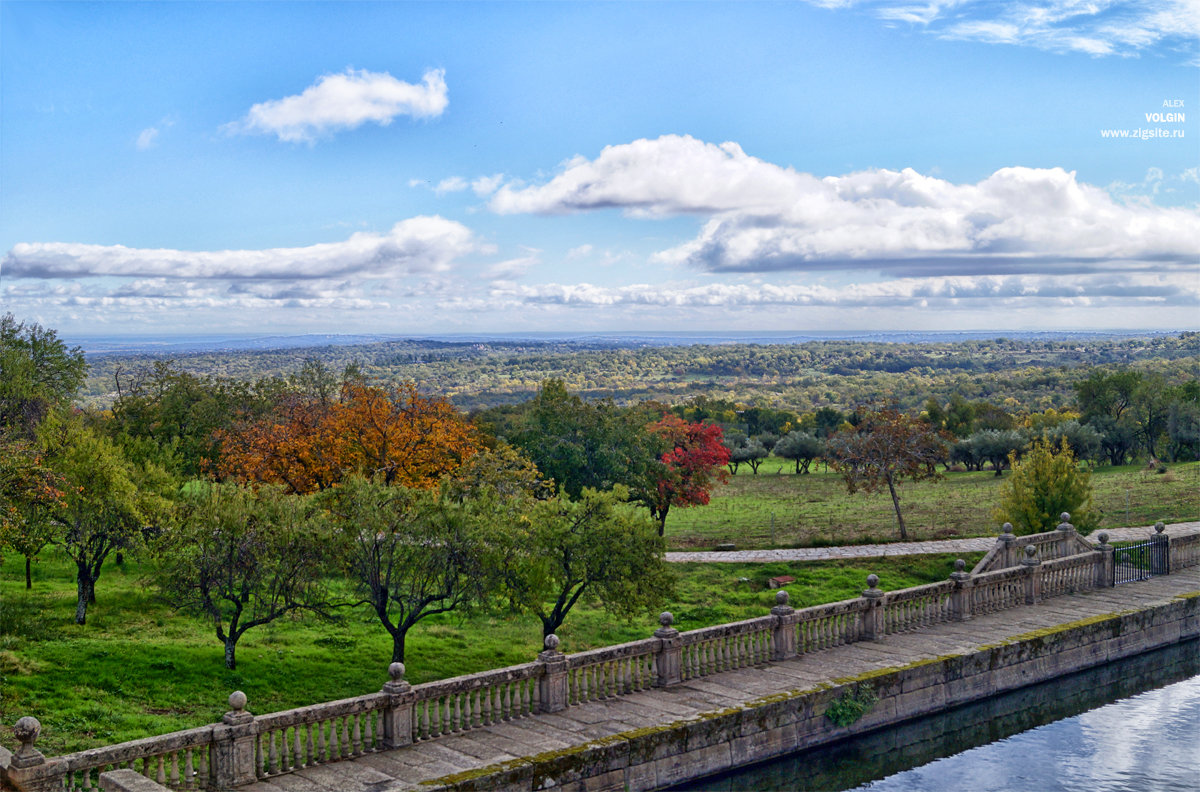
(405, 768)
(976, 545)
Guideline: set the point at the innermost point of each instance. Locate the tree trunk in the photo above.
(28, 574)
(896, 503)
(398, 645)
(86, 590)
(230, 649)
(662, 519)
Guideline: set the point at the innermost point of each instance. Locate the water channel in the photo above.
(1129, 725)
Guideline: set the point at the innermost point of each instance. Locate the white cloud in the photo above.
(146, 138)
(763, 217)
(486, 185)
(1091, 27)
(421, 244)
(344, 101)
(453, 184)
(511, 269)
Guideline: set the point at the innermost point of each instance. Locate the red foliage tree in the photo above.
(693, 462)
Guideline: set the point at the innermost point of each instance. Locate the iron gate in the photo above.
(1141, 561)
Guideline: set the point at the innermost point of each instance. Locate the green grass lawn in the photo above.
(137, 668)
(778, 508)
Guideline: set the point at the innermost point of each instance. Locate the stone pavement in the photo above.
(975, 545)
(406, 768)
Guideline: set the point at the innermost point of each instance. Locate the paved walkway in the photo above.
(976, 545)
(405, 768)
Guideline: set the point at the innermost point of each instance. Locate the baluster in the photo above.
(509, 712)
(335, 750)
(583, 684)
(272, 755)
(297, 757)
(347, 747)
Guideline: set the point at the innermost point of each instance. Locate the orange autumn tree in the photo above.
(393, 433)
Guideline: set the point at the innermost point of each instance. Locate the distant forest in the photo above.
(1020, 375)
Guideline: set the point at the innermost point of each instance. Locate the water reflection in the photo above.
(1096, 730)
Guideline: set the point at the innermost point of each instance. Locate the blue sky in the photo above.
(456, 167)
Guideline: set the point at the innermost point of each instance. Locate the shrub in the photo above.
(1045, 483)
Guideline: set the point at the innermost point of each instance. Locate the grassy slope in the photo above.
(814, 509)
(138, 669)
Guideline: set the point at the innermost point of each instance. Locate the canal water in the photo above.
(1130, 725)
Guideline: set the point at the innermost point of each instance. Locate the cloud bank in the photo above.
(763, 217)
(424, 244)
(344, 101)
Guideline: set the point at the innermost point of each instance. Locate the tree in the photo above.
(1084, 440)
(996, 446)
(748, 451)
(688, 469)
(582, 444)
(243, 558)
(103, 509)
(1045, 483)
(37, 373)
(598, 546)
(1107, 394)
(801, 447)
(885, 448)
(28, 491)
(414, 553)
(310, 445)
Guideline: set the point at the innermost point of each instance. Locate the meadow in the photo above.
(778, 508)
(137, 668)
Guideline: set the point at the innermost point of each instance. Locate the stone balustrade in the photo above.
(1008, 551)
(243, 748)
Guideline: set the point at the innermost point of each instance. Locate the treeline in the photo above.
(1035, 373)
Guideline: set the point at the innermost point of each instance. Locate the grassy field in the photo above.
(777, 508)
(138, 669)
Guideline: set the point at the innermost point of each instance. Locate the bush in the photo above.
(1045, 483)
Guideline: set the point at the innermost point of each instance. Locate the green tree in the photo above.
(883, 449)
(800, 447)
(582, 444)
(1045, 483)
(37, 373)
(599, 545)
(414, 553)
(997, 446)
(103, 509)
(28, 491)
(243, 558)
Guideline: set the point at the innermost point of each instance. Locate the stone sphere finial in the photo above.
(27, 730)
(781, 597)
(237, 701)
(1103, 537)
(1065, 517)
(1007, 531)
(960, 565)
(1030, 551)
(666, 619)
(396, 672)
(1159, 527)
(872, 581)
(551, 642)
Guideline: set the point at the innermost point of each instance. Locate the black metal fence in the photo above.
(1141, 561)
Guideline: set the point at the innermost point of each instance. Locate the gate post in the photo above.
(670, 652)
(1105, 573)
(1066, 536)
(552, 684)
(1033, 577)
(1160, 551)
(1007, 543)
(783, 634)
(233, 761)
(872, 625)
(960, 598)
(28, 770)
(397, 715)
